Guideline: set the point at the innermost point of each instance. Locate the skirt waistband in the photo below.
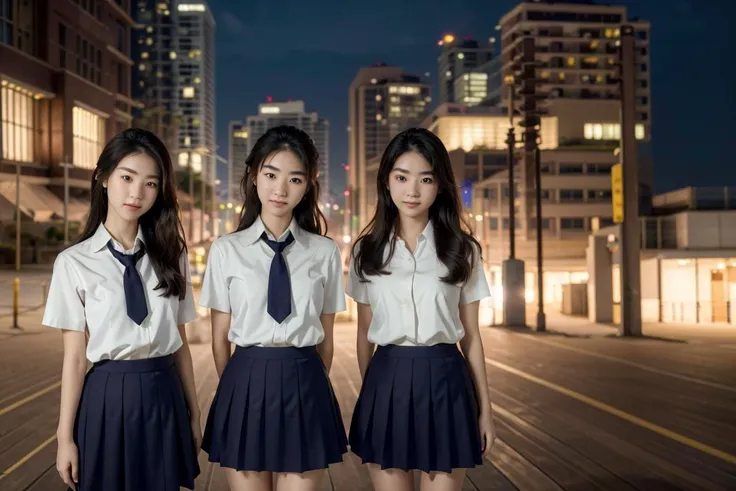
(276, 352)
(434, 351)
(144, 365)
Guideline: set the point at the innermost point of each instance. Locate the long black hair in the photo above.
(161, 226)
(453, 240)
(278, 139)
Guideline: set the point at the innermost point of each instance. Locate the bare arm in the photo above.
(472, 347)
(185, 368)
(364, 347)
(221, 348)
(72, 380)
(326, 348)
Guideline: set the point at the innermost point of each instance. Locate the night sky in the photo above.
(290, 50)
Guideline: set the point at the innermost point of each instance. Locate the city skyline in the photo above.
(320, 69)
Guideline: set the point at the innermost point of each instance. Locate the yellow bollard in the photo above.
(16, 299)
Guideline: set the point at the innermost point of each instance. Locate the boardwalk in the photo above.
(572, 413)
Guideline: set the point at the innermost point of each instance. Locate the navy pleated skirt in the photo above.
(275, 410)
(417, 410)
(132, 428)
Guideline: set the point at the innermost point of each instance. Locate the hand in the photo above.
(487, 432)
(67, 463)
(196, 433)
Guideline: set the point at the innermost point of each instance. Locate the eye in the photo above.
(427, 180)
(296, 180)
(400, 178)
(152, 184)
(270, 175)
(126, 178)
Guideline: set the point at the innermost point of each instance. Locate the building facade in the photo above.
(458, 78)
(64, 91)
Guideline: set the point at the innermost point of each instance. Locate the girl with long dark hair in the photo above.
(122, 296)
(417, 276)
(273, 287)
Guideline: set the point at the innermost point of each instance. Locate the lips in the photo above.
(132, 207)
(277, 203)
(411, 204)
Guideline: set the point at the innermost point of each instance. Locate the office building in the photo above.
(457, 79)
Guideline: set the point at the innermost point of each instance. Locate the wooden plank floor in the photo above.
(571, 413)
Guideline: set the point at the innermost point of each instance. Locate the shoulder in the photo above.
(319, 244)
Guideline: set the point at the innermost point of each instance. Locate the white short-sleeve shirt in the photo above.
(236, 281)
(412, 306)
(86, 292)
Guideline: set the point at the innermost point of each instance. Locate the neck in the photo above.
(122, 231)
(411, 227)
(276, 225)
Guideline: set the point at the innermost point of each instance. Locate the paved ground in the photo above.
(573, 412)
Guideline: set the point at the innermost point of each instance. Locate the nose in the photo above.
(413, 189)
(280, 189)
(137, 190)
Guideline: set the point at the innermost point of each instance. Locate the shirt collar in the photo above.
(427, 236)
(101, 237)
(253, 233)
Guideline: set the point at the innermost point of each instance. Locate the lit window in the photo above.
(448, 74)
(89, 137)
(187, 141)
(17, 123)
(188, 93)
(378, 98)
(149, 29)
(378, 117)
(172, 55)
(142, 67)
(639, 132)
(571, 61)
(149, 41)
(461, 56)
(144, 55)
(197, 80)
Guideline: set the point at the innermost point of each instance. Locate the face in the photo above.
(412, 185)
(132, 187)
(281, 183)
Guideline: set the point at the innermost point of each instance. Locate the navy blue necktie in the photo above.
(279, 285)
(135, 295)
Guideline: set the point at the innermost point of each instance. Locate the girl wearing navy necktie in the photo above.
(122, 296)
(417, 276)
(273, 287)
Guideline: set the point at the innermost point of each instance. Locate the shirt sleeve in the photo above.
(65, 301)
(476, 287)
(187, 309)
(356, 288)
(334, 297)
(215, 288)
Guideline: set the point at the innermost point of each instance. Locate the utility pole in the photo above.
(532, 159)
(630, 233)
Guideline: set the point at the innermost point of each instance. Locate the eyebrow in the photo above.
(271, 167)
(128, 169)
(404, 171)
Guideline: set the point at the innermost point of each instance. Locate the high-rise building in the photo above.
(383, 101)
(293, 113)
(64, 91)
(175, 77)
(458, 79)
(236, 155)
(576, 44)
